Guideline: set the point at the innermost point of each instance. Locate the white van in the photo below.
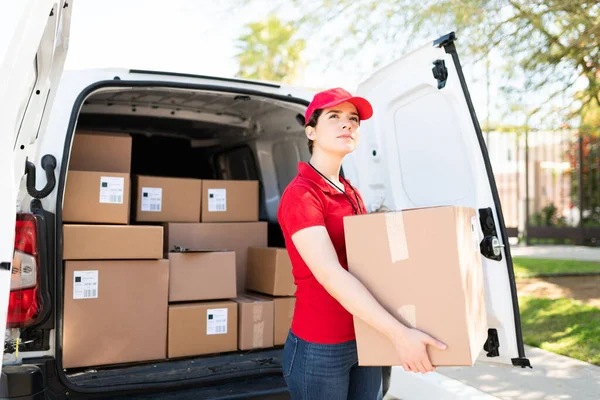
(423, 147)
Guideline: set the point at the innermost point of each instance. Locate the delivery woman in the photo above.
(320, 359)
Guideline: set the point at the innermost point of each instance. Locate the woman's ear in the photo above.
(310, 132)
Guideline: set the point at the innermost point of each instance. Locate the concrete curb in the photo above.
(433, 385)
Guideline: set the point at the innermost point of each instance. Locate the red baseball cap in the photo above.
(332, 97)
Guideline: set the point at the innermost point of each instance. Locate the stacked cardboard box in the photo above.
(270, 273)
(180, 244)
(229, 221)
(98, 180)
(109, 264)
(201, 318)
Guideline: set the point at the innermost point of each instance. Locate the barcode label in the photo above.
(151, 199)
(85, 285)
(216, 321)
(217, 200)
(112, 189)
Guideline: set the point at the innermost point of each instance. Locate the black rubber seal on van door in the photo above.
(59, 291)
(447, 42)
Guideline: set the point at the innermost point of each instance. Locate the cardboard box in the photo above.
(283, 308)
(96, 197)
(237, 237)
(424, 266)
(100, 152)
(202, 328)
(112, 242)
(167, 199)
(229, 201)
(114, 312)
(270, 271)
(202, 275)
(255, 328)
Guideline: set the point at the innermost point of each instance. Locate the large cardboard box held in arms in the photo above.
(237, 237)
(424, 266)
(115, 312)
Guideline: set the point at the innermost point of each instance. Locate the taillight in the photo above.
(24, 303)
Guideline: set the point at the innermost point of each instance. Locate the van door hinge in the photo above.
(492, 343)
(440, 72)
(490, 246)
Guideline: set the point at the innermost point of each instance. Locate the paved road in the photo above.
(553, 377)
(557, 252)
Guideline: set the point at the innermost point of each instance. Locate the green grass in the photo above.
(562, 326)
(530, 267)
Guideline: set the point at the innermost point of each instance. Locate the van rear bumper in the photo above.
(23, 382)
(38, 382)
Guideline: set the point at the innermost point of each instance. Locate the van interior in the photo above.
(207, 135)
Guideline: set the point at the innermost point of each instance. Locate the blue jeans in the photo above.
(328, 371)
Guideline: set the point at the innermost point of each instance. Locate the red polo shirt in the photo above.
(309, 200)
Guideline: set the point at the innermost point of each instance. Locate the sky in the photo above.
(185, 36)
(197, 36)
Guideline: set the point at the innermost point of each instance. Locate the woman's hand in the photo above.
(411, 345)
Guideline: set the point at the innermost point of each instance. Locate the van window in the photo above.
(237, 164)
(286, 156)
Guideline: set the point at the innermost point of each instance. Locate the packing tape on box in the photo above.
(258, 334)
(258, 326)
(396, 237)
(408, 315)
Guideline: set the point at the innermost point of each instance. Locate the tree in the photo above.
(556, 40)
(586, 173)
(269, 51)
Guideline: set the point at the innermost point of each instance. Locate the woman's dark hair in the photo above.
(312, 121)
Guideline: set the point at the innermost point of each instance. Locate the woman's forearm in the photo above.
(315, 247)
(357, 299)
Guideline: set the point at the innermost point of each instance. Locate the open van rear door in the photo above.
(424, 147)
(33, 47)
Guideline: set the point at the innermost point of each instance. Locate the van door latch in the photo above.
(492, 344)
(490, 246)
(440, 72)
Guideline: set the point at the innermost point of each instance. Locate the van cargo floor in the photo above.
(208, 368)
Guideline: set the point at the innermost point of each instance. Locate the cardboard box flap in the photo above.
(179, 249)
(250, 298)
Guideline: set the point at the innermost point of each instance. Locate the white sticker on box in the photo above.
(216, 321)
(475, 233)
(151, 199)
(217, 200)
(85, 285)
(112, 189)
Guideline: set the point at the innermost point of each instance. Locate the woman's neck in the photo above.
(327, 165)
